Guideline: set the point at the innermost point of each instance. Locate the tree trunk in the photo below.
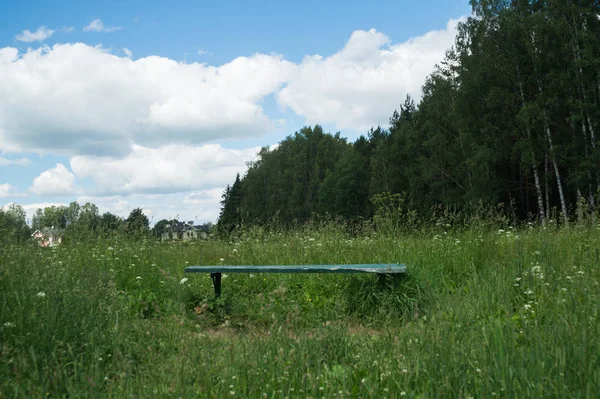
(585, 115)
(546, 178)
(536, 176)
(563, 203)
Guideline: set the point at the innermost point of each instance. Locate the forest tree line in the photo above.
(510, 116)
(75, 222)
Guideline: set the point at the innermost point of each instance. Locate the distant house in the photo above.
(184, 231)
(48, 236)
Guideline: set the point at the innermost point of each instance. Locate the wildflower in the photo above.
(580, 272)
(183, 280)
(232, 393)
(41, 294)
(529, 292)
(527, 306)
(404, 371)
(110, 248)
(138, 278)
(222, 260)
(9, 324)
(402, 393)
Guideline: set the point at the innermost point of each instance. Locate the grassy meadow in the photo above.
(482, 313)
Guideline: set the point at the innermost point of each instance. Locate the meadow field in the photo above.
(482, 313)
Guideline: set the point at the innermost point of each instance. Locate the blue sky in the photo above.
(161, 103)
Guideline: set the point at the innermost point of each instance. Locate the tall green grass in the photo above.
(481, 313)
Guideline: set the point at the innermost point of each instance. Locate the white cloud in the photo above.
(360, 86)
(89, 101)
(18, 161)
(168, 169)
(42, 33)
(67, 29)
(6, 190)
(58, 181)
(200, 206)
(98, 26)
(128, 53)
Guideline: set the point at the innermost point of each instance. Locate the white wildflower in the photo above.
(527, 306)
(41, 294)
(9, 324)
(183, 280)
(138, 278)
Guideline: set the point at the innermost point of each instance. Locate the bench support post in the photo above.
(216, 278)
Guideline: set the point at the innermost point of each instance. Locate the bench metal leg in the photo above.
(216, 278)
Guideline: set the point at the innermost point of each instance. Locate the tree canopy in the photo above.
(510, 116)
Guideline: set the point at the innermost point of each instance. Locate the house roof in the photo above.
(48, 231)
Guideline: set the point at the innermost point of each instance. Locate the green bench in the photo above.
(381, 269)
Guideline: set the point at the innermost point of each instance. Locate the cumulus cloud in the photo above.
(89, 101)
(6, 190)
(201, 206)
(128, 53)
(98, 26)
(168, 169)
(360, 86)
(58, 181)
(42, 33)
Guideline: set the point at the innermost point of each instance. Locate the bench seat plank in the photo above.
(380, 268)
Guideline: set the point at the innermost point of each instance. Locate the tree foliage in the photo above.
(510, 116)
